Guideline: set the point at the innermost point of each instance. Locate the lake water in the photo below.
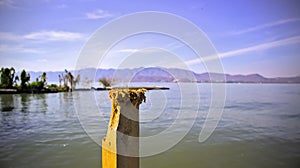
(260, 127)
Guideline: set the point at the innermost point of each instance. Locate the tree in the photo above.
(6, 80)
(69, 78)
(12, 76)
(25, 77)
(40, 82)
(44, 79)
(7, 77)
(60, 79)
(76, 81)
(106, 83)
(16, 79)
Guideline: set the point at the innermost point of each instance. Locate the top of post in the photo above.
(135, 95)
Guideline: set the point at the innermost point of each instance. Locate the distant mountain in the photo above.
(157, 74)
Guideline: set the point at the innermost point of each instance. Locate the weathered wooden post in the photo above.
(118, 149)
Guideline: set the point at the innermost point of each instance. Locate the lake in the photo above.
(260, 127)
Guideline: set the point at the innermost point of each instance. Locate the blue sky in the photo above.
(250, 36)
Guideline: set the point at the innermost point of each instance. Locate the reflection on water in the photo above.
(259, 128)
(40, 102)
(7, 103)
(24, 102)
(42, 130)
(66, 103)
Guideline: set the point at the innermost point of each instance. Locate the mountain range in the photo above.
(158, 74)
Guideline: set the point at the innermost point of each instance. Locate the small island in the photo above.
(12, 83)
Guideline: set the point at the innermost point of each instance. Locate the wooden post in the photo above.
(118, 149)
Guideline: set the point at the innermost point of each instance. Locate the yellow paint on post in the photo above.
(109, 147)
(124, 120)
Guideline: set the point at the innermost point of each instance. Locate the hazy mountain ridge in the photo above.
(157, 74)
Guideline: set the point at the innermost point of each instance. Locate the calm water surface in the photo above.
(260, 127)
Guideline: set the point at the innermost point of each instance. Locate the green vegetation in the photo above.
(25, 77)
(8, 80)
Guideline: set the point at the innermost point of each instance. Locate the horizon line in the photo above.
(225, 73)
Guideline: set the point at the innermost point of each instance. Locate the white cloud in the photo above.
(6, 2)
(42, 36)
(133, 50)
(98, 14)
(15, 43)
(54, 36)
(263, 26)
(127, 50)
(175, 45)
(19, 49)
(264, 46)
(9, 36)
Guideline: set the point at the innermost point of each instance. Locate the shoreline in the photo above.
(43, 91)
(16, 91)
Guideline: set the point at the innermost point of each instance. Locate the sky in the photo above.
(249, 36)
